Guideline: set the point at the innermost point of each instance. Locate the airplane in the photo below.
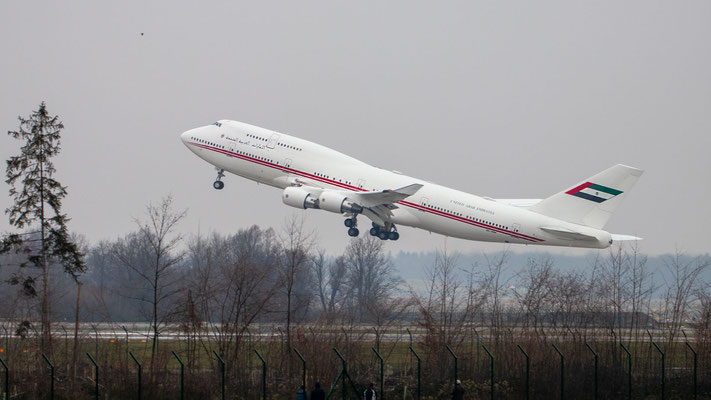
(312, 176)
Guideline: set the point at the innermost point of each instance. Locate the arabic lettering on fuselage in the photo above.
(462, 204)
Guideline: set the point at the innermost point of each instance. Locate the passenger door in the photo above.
(271, 143)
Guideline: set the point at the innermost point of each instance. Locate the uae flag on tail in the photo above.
(593, 192)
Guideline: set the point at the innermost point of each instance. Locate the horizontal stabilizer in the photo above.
(567, 234)
(519, 202)
(624, 238)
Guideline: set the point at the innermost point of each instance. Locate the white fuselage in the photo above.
(280, 160)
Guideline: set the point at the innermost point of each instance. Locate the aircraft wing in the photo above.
(567, 234)
(384, 198)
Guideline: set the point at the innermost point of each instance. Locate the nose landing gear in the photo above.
(218, 184)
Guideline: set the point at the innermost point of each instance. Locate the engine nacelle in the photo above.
(337, 203)
(299, 198)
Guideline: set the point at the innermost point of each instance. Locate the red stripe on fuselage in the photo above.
(471, 222)
(357, 189)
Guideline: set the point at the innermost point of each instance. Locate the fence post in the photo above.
(382, 380)
(562, 372)
(96, 372)
(264, 375)
(410, 365)
(455, 363)
(182, 375)
(96, 340)
(528, 366)
(663, 356)
(478, 341)
(686, 339)
(629, 371)
(695, 366)
(419, 383)
(139, 373)
(377, 338)
(219, 338)
(595, 354)
(303, 368)
(6, 393)
(344, 369)
(249, 348)
(492, 369)
(126, 330)
(51, 376)
(222, 373)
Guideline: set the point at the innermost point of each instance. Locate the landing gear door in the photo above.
(271, 143)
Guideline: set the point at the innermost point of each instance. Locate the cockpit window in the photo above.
(217, 124)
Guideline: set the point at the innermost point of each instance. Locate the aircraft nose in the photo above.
(185, 136)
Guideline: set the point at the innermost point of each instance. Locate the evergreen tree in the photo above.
(37, 202)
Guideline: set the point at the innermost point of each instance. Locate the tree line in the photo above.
(218, 288)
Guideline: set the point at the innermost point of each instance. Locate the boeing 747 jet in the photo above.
(314, 176)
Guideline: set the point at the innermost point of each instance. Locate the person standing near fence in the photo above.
(301, 394)
(369, 393)
(318, 393)
(458, 392)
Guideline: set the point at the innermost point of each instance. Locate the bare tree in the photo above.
(151, 254)
(296, 247)
(682, 284)
(495, 284)
(533, 293)
(641, 289)
(331, 276)
(370, 275)
(233, 280)
(449, 302)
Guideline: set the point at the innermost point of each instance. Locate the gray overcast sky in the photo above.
(502, 99)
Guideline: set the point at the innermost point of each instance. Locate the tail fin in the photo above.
(592, 201)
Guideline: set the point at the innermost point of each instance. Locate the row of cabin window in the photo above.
(280, 144)
(468, 217)
(206, 142)
(289, 146)
(256, 137)
(327, 177)
(255, 156)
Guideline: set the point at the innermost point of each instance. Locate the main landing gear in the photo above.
(218, 184)
(389, 232)
(351, 224)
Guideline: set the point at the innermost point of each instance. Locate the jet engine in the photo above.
(337, 203)
(299, 198)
